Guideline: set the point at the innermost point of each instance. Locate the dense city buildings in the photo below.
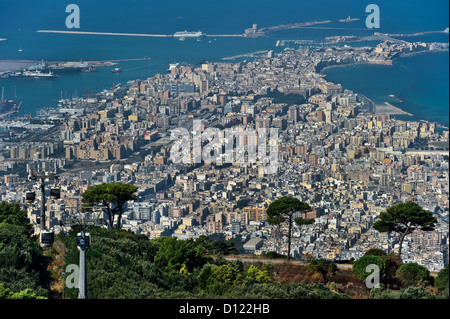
(348, 158)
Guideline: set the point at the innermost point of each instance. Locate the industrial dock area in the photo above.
(14, 69)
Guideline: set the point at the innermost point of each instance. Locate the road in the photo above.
(279, 261)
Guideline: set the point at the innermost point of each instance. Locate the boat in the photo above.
(89, 69)
(188, 34)
(348, 19)
(32, 75)
(116, 70)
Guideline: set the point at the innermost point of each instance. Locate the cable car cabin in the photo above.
(47, 238)
(55, 193)
(87, 239)
(30, 197)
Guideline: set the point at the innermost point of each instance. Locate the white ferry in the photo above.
(188, 34)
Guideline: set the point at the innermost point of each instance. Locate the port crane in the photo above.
(90, 89)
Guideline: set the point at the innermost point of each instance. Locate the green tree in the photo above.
(6, 293)
(11, 213)
(441, 281)
(178, 253)
(360, 266)
(261, 276)
(217, 245)
(22, 265)
(283, 209)
(112, 196)
(412, 274)
(404, 218)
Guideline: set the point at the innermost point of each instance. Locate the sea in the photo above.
(421, 81)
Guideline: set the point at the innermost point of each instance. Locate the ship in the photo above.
(188, 34)
(116, 70)
(89, 69)
(32, 75)
(348, 19)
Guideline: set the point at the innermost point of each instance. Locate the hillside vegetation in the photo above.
(123, 265)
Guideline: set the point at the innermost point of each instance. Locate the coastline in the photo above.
(411, 54)
(344, 65)
(388, 108)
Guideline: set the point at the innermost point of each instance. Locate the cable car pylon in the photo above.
(46, 236)
(83, 240)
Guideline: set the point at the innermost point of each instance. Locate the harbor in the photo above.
(27, 69)
(253, 32)
(8, 106)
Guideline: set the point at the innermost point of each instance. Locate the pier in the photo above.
(7, 67)
(252, 32)
(224, 35)
(135, 34)
(247, 55)
(388, 108)
(128, 60)
(107, 33)
(416, 34)
(292, 26)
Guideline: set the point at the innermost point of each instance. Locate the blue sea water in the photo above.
(421, 81)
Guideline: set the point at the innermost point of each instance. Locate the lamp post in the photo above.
(64, 283)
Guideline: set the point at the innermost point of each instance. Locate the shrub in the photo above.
(412, 274)
(323, 266)
(260, 276)
(274, 255)
(375, 252)
(360, 266)
(392, 263)
(407, 293)
(315, 291)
